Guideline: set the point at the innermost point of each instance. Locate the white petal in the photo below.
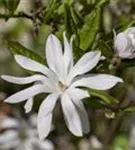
(97, 81)
(120, 43)
(71, 115)
(47, 105)
(32, 65)
(130, 31)
(24, 80)
(87, 62)
(26, 93)
(44, 126)
(46, 145)
(28, 105)
(83, 115)
(68, 55)
(54, 54)
(76, 95)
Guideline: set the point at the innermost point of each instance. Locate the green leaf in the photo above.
(94, 103)
(50, 10)
(103, 95)
(89, 29)
(69, 22)
(70, 26)
(17, 48)
(105, 48)
(101, 3)
(124, 23)
(130, 109)
(83, 2)
(11, 5)
(76, 17)
(91, 26)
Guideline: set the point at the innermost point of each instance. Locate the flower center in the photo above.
(61, 87)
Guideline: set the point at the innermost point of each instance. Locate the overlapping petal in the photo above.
(83, 115)
(71, 115)
(87, 62)
(68, 55)
(28, 105)
(54, 55)
(97, 81)
(27, 93)
(45, 115)
(26, 80)
(48, 104)
(32, 65)
(77, 95)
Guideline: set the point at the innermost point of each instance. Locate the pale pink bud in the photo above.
(124, 44)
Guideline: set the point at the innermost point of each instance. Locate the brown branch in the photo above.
(19, 15)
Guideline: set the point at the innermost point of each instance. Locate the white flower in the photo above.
(61, 79)
(124, 44)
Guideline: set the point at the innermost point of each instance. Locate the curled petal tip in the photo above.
(98, 51)
(51, 36)
(79, 134)
(2, 76)
(120, 80)
(6, 101)
(18, 56)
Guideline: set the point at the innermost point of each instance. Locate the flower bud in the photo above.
(124, 44)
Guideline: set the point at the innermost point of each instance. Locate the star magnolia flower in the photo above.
(61, 79)
(124, 44)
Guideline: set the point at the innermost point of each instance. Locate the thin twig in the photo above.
(114, 124)
(19, 15)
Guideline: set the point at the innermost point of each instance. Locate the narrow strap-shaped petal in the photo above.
(97, 81)
(83, 115)
(87, 62)
(44, 126)
(27, 93)
(71, 115)
(28, 105)
(48, 105)
(68, 55)
(77, 95)
(24, 80)
(54, 55)
(32, 65)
